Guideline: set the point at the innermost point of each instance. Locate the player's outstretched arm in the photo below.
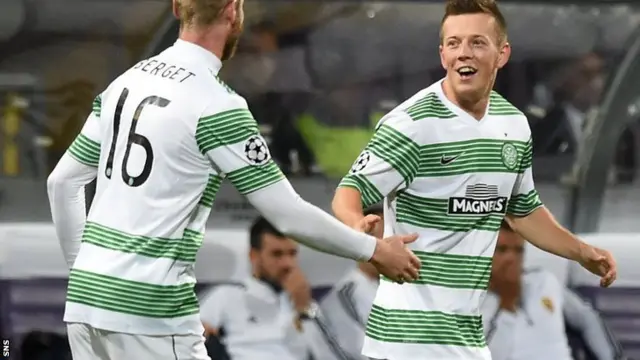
(542, 230)
(65, 185)
(527, 216)
(309, 225)
(231, 141)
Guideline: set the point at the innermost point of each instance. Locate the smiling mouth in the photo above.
(466, 72)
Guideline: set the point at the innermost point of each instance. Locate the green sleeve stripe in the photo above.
(255, 177)
(527, 157)
(397, 150)
(97, 105)
(210, 191)
(369, 194)
(225, 128)
(524, 204)
(85, 150)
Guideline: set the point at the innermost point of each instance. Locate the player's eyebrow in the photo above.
(468, 36)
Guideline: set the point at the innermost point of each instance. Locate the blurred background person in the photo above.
(526, 313)
(262, 317)
(260, 74)
(346, 307)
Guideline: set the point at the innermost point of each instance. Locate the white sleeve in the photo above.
(583, 318)
(524, 197)
(390, 160)
(65, 185)
(228, 135)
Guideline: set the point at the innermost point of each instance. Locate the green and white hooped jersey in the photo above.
(451, 179)
(162, 136)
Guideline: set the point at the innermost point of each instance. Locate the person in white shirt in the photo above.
(526, 312)
(160, 140)
(265, 316)
(346, 307)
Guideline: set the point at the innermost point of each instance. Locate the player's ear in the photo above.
(175, 7)
(230, 11)
(442, 60)
(505, 54)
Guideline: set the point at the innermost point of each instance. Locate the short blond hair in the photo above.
(199, 12)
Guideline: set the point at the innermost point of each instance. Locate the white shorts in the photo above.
(88, 343)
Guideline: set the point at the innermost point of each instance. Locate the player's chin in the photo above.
(468, 81)
(468, 89)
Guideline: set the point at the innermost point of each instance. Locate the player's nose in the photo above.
(464, 52)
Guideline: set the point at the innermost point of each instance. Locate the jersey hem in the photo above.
(123, 323)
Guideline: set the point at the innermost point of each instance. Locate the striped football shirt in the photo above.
(450, 178)
(162, 136)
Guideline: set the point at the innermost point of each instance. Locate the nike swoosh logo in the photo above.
(446, 160)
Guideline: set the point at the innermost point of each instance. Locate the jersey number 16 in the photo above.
(133, 138)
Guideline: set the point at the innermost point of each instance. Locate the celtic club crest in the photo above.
(509, 156)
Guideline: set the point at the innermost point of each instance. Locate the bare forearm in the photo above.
(542, 230)
(347, 206)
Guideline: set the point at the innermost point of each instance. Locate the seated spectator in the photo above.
(266, 316)
(525, 312)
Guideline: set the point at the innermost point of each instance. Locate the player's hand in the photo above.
(368, 224)
(394, 260)
(599, 262)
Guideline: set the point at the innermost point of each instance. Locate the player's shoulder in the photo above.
(510, 118)
(222, 99)
(500, 106)
(225, 110)
(409, 111)
(427, 104)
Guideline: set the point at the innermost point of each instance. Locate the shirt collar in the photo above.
(261, 289)
(198, 53)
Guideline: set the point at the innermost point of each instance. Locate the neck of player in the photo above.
(212, 38)
(474, 104)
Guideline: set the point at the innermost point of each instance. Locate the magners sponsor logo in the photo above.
(479, 199)
(462, 206)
